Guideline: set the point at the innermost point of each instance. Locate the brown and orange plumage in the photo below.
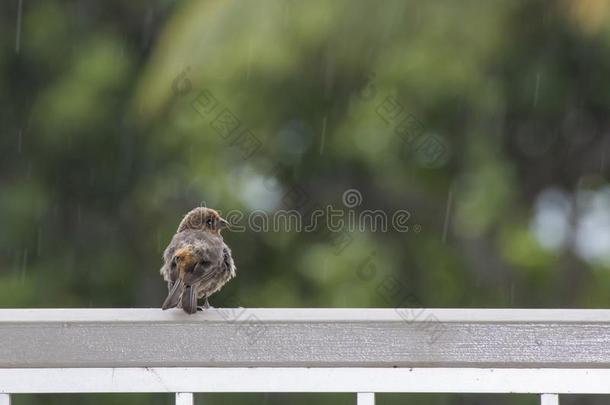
(197, 262)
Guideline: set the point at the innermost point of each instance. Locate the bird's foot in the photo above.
(206, 305)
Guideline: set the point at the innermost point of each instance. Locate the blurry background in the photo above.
(487, 121)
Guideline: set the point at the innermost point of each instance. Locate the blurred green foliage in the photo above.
(103, 152)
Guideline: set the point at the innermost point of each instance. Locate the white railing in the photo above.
(364, 351)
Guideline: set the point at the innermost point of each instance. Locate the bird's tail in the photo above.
(174, 295)
(189, 299)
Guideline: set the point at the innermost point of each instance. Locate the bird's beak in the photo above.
(223, 223)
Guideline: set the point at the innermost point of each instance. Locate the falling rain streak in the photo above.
(39, 241)
(24, 265)
(249, 67)
(536, 89)
(18, 30)
(323, 135)
(602, 160)
(447, 214)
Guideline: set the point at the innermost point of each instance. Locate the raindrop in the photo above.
(39, 241)
(536, 89)
(24, 265)
(18, 30)
(323, 135)
(447, 214)
(249, 60)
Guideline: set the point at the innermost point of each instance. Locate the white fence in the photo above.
(364, 351)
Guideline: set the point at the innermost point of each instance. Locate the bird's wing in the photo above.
(174, 295)
(204, 271)
(169, 272)
(227, 260)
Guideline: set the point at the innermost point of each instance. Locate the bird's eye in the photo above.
(209, 222)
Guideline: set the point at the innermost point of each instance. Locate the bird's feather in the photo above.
(174, 295)
(189, 299)
(202, 273)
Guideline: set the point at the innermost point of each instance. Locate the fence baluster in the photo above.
(366, 398)
(184, 398)
(549, 399)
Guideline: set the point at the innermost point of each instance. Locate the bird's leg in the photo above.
(206, 304)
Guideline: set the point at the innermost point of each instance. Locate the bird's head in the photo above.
(204, 219)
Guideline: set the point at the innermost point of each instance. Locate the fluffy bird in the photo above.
(197, 262)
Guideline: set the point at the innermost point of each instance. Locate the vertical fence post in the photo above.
(549, 399)
(366, 398)
(5, 399)
(184, 398)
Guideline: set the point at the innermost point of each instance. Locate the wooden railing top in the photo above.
(350, 337)
(305, 315)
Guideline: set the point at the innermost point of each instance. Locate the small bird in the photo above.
(197, 262)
